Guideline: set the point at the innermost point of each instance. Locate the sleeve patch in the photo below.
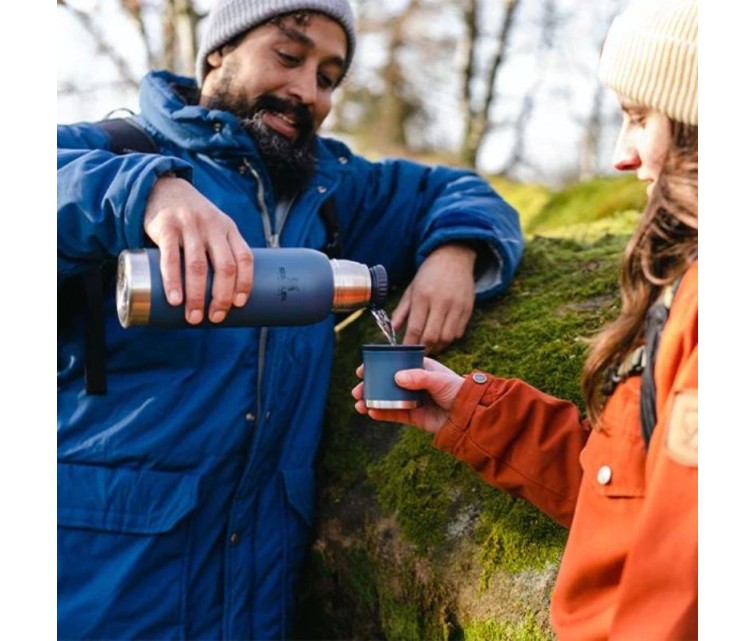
(681, 441)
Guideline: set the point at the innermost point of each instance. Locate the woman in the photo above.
(625, 480)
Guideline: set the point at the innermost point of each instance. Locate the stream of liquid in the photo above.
(384, 322)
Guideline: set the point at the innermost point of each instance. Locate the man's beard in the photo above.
(290, 163)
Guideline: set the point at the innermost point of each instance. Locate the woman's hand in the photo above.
(439, 382)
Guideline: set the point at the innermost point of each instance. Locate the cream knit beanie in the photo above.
(651, 57)
(230, 18)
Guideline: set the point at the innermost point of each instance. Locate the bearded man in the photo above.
(186, 485)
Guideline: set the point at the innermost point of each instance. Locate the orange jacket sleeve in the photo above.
(519, 440)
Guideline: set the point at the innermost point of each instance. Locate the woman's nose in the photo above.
(626, 157)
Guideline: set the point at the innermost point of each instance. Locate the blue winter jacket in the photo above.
(186, 493)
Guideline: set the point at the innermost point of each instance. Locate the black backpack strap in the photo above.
(332, 247)
(94, 347)
(126, 136)
(656, 319)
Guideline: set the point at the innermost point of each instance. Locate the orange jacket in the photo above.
(630, 568)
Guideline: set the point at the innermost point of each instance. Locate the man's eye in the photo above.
(325, 81)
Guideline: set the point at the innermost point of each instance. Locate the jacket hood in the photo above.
(193, 127)
(213, 132)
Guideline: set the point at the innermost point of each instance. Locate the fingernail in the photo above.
(195, 316)
(174, 297)
(240, 299)
(217, 316)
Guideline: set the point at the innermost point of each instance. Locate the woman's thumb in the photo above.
(413, 379)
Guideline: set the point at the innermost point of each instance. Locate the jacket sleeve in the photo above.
(102, 196)
(519, 440)
(401, 211)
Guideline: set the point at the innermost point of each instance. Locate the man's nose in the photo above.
(303, 87)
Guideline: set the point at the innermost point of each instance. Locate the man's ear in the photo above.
(215, 59)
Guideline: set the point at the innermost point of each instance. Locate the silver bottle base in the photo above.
(392, 405)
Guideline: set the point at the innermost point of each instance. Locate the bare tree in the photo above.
(593, 125)
(104, 47)
(172, 47)
(476, 114)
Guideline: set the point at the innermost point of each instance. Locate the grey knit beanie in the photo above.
(229, 18)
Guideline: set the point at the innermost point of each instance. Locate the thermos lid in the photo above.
(378, 286)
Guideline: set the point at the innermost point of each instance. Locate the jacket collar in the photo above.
(212, 132)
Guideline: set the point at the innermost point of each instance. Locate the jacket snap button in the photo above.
(217, 127)
(604, 475)
(235, 537)
(321, 189)
(479, 378)
(250, 417)
(343, 160)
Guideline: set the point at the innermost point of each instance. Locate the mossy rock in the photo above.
(411, 544)
(600, 200)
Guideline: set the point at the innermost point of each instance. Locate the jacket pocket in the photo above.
(123, 548)
(614, 459)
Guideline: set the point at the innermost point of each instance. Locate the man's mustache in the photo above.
(295, 112)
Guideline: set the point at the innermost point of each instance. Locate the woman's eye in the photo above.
(637, 120)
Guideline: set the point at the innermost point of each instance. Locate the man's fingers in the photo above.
(195, 278)
(245, 269)
(224, 281)
(416, 323)
(170, 269)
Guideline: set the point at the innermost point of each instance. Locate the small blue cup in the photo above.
(381, 363)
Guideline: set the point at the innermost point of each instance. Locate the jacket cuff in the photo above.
(475, 386)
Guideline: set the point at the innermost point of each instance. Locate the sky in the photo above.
(728, 435)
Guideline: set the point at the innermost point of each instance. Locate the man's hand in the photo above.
(439, 301)
(179, 217)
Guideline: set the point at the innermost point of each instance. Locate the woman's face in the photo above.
(643, 142)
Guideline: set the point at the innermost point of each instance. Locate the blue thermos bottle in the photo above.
(292, 286)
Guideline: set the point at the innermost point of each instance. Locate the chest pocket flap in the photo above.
(122, 499)
(614, 459)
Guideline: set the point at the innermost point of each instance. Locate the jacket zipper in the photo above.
(271, 240)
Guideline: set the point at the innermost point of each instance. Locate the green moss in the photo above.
(528, 199)
(588, 202)
(514, 536)
(403, 620)
(525, 630)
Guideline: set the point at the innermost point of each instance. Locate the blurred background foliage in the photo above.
(507, 87)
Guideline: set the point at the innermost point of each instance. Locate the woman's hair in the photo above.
(661, 249)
